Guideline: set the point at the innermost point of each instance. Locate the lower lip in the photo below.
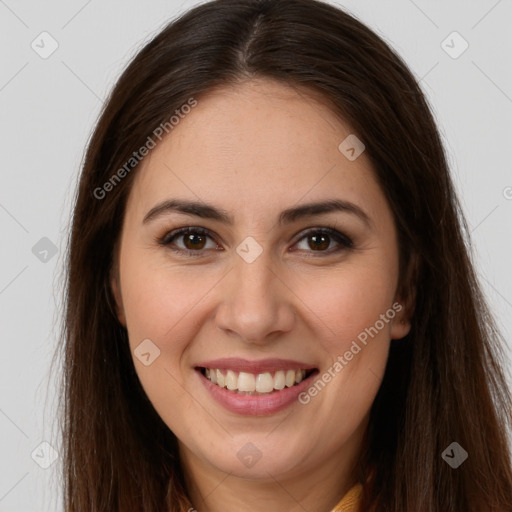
(256, 405)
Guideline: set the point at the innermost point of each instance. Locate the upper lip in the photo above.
(256, 366)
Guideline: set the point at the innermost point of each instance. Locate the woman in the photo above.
(270, 302)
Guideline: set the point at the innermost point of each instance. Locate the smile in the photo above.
(255, 387)
(255, 384)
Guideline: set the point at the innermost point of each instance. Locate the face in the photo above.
(260, 331)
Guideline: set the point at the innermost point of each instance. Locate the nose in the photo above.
(256, 303)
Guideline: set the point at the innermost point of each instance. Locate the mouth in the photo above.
(255, 384)
(255, 387)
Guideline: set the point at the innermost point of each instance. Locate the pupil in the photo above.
(190, 240)
(320, 245)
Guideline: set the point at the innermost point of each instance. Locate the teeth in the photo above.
(290, 378)
(246, 381)
(279, 380)
(231, 380)
(264, 383)
(249, 383)
(220, 378)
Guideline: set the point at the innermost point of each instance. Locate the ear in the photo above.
(405, 301)
(401, 324)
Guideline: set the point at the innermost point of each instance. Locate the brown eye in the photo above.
(194, 241)
(319, 240)
(188, 240)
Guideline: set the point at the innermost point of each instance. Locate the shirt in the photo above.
(350, 502)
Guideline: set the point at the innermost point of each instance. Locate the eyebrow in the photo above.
(206, 211)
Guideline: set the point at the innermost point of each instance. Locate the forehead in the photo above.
(255, 145)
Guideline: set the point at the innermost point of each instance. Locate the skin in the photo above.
(255, 150)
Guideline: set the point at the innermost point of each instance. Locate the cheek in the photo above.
(160, 305)
(161, 302)
(355, 309)
(347, 303)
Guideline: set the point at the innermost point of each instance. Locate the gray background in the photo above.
(48, 108)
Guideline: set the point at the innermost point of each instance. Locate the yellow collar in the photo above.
(350, 502)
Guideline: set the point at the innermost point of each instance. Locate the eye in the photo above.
(193, 238)
(319, 239)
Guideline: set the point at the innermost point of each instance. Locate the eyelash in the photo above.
(342, 239)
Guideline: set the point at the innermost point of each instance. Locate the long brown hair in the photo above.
(445, 381)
